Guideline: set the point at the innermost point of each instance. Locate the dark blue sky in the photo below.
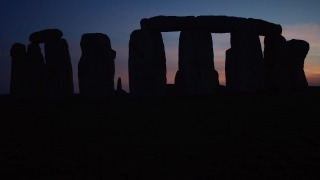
(117, 19)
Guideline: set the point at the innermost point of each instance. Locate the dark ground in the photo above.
(272, 135)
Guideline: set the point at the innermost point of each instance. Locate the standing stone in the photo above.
(120, 91)
(36, 70)
(59, 78)
(96, 67)
(276, 63)
(246, 60)
(196, 74)
(297, 52)
(230, 69)
(147, 64)
(18, 72)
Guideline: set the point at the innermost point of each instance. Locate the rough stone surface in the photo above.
(45, 35)
(96, 67)
(147, 64)
(18, 65)
(196, 67)
(59, 78)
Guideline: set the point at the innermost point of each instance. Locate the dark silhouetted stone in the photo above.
(120, 91)
(265, 28)
(36, 71)
(245, 64)
(276, 63)
(169, 23)
(18, 70)
(96, 67)
(59, 78)
(220, 24)
(45, 35)
(196, 67)
(147, 64)
(230, 68)
(297, 52)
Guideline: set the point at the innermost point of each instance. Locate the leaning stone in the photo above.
(45, 35)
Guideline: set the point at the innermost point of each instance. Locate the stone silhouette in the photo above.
(59, 78)
(147, 64)
(169, 23)
(36, 71)
(276, 63)
(297, 52)
(244, 61)
(96, 67)
(45, 35)
(196, 73)
(119, 90)
(246, 69)
(18, 70)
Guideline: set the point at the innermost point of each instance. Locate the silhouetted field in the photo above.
(272, 135)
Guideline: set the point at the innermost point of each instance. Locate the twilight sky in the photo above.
(118, 18)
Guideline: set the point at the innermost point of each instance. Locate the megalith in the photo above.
(59, 78)
(297, 52)
(147, 64)
(245, 64)
(96, 67)
(45, 35)
(18, 70)
(169, 23)
(119, 90)
(196, 73)
(36, 71)
(277, 71)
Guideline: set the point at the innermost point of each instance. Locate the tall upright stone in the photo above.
(246, 61)
(59, 78)
(147, 64)
(36, 71)
(276, 63)
(96, 67)
(297, 52)
(196, 73)
(18, 70)
(119, 90)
